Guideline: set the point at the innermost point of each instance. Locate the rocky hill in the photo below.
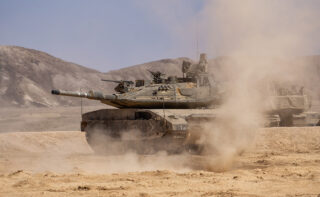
(27, 76)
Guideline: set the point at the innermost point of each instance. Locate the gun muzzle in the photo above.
(57, 92)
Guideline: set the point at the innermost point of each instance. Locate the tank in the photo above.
(168, 113)
(149, 116)
(289, 105)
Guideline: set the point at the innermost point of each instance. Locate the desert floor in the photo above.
(280, 162)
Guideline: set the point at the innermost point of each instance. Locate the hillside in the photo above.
(27, 76)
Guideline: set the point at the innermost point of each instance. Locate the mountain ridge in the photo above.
(27, 76)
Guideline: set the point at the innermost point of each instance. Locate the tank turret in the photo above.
(195, 90)
(291, 103)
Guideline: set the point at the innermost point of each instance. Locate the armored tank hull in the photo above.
(146, 131)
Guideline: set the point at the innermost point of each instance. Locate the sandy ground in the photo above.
(284, 162)
(280, 162)
(43, 119)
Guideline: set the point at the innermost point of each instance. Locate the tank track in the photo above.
(108, 133)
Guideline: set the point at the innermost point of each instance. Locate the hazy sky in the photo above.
(110, 34)
(99, 34)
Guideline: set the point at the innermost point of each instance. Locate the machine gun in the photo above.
(122, 87)
(157, 76)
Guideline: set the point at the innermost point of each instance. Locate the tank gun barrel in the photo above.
(89, 95)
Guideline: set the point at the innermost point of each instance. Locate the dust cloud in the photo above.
(257, 36)
(69, 152)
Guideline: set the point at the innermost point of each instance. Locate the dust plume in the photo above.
(257, 36)
(69, 152)
(130, 152)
